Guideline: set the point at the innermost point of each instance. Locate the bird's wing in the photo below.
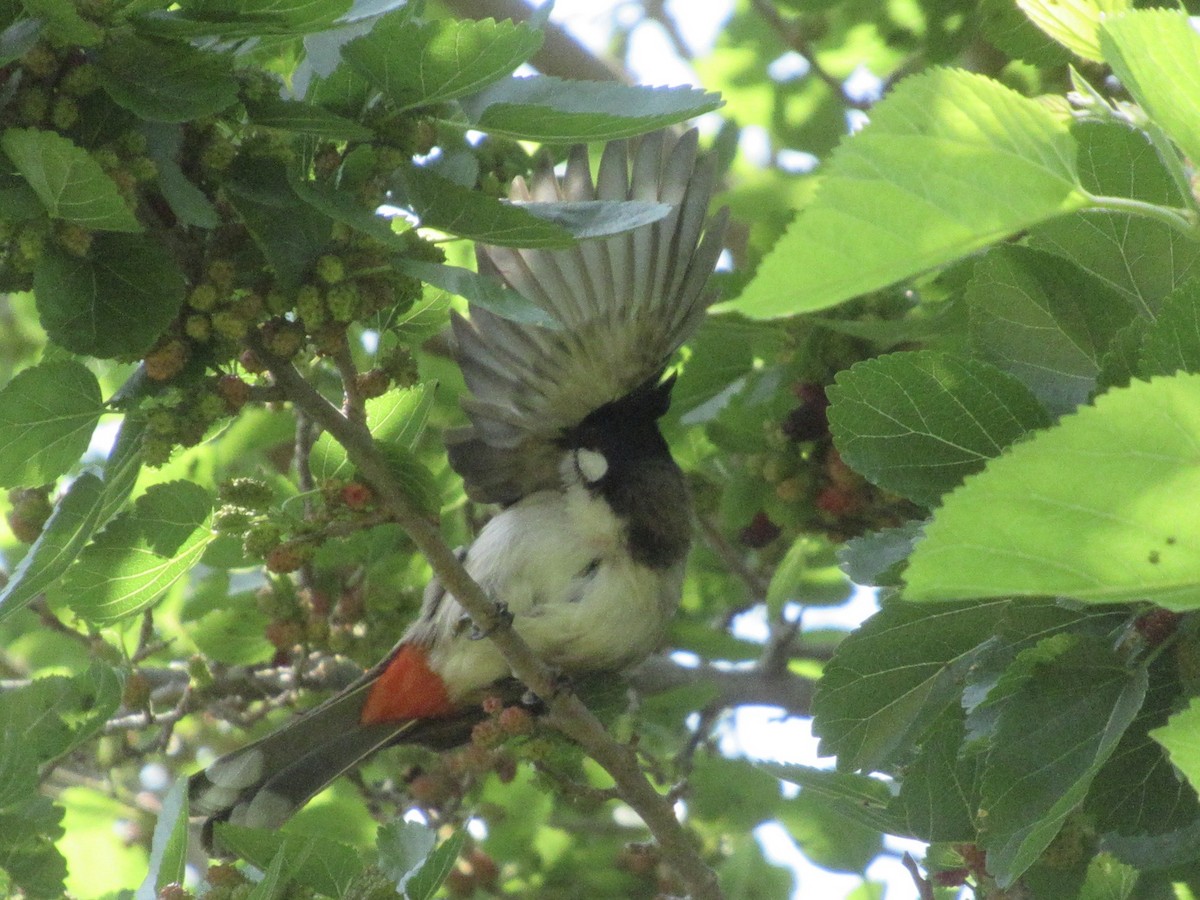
(625, 304)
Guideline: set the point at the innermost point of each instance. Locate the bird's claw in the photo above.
(503, 619)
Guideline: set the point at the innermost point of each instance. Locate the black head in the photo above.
(637, 477)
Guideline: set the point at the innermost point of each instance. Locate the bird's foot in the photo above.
(503, 619)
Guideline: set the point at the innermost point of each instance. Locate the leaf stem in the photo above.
(1182, 220)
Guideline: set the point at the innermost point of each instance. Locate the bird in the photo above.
(586, 552)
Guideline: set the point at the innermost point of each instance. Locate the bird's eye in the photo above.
(590, 464)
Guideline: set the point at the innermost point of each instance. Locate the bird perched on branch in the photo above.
(587, 553)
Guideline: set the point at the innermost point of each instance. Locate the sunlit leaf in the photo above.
(1097, 508)
(47, 414)
(950, 163)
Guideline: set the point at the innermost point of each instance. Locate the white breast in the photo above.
(559, 562)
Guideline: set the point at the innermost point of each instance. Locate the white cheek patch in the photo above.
(591, 464)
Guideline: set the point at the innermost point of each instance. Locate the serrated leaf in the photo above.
(166, 81)
(1139, 794)
(113, 303)
(939, 793)
(396, 418)
(551, 110)
(70, 184)
(950, 162)
(1172, 343)
(305, 118)
(1098, 508)
(1053, 736)
(325, 866)
(1180, 737)
(1156, 55)
(446, 206)
(27, 848)
(875, 558)
(139, 554)
(480, 290)
(426, 317)
(418, 63)
(1140, 258)
(918, 423)
(71, 525)
(169, 844)
(1045, 321)
(891, 678)
(1074, 23)
(47, 415)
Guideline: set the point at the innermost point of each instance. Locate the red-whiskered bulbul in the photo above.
(587, 552)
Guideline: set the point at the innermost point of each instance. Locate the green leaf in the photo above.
(1156, 55)
(322, 865)
(244, 18)
(290, 232)
(551, 110)
(598, 218)
(1053, 736)
(27, 848)
(808, 576)
(1139, 793)
(166, 81)
(450, 207)
(64, 21)
(426, 317)
(421, 63)
(234, 635)
(75, 519)
(875, 558)
(1074, 23)
(403, 846)
(480, 290)
(950, 162)
(423, 882)
(168, 846)
(1140, 258)
(1181, 739)
(113, 303)
(1172, 343)
(139, 554)
(396, 418)
(831, 838)
(918, 423)
(19, 37)
(70, 184)
(47, 415)
(187, 202)
(305, 118)
(1098, 508)
(890, 679)
(733, 792)
(939, 793)
(860, 798)
(1045, 321)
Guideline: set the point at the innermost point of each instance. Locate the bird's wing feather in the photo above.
(625, 303)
